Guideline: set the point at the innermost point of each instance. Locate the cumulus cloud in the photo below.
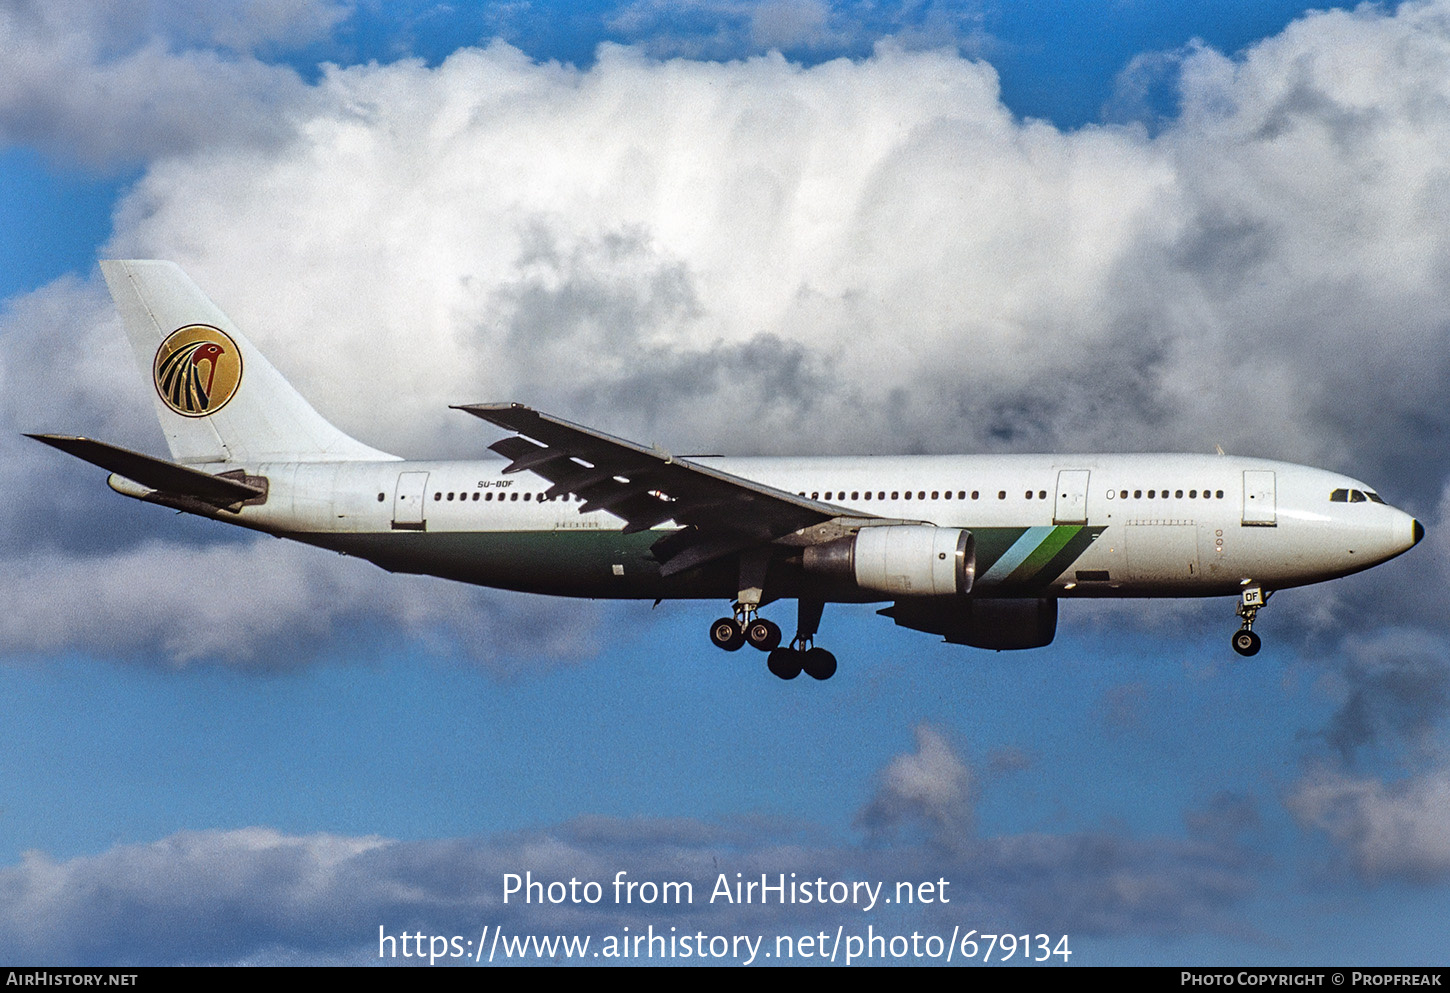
(258, 895)
(931, 787)
(933, 273)
(860, 255)
(119, 84)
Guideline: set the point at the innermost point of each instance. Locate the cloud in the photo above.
(114, 85)
(268, 604)
(1392, 688)
(1395, 830)
(868, 255)
(931, 787)
(1396, 688)
(952, 278)
(259, 895)
(732, 29)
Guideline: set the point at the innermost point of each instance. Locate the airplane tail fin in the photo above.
(218, 398)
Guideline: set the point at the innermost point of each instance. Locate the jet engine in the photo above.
(899, 559)
(981, 623)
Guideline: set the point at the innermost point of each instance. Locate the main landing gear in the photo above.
(1245, 642)
(733, 633)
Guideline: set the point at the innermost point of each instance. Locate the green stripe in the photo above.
(992, 544)
(1069, 554)
(1044, 553)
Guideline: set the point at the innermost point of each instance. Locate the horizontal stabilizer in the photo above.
(157, 474)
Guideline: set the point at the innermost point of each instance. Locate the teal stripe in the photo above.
(1016, 555)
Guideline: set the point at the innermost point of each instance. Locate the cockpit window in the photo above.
(1354, 496)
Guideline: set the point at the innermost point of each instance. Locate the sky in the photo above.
(777, 228)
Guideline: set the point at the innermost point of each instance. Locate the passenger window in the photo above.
(1150, 494)
(1001, 494)
(438, 495)
(1027, 495)
(934, 494)
(1042, 494)
(855, 494)
(974, 494)
(908, 494)
(1178, 494)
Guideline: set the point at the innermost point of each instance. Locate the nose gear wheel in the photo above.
(1245, 642)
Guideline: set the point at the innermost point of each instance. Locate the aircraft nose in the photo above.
(1408, 532)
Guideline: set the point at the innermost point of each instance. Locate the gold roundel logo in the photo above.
(197, 370)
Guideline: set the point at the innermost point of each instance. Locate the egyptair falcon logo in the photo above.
(197, 370)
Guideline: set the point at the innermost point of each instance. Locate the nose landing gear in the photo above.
(1245, 642)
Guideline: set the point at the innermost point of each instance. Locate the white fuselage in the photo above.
(1045, 525)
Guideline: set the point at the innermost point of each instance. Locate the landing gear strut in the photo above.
(1245, 642)
(747, 627)
(802, 655)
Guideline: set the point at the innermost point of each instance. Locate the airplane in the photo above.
(977, 549)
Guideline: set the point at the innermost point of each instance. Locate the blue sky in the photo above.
(730, 227)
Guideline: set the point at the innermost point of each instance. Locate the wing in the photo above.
(718, 513)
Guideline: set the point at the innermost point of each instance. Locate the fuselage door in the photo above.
(408, 502)
(1259, 498)
(1072, 489)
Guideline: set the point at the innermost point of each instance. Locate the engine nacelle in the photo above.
(900, 560)
(981, 623)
